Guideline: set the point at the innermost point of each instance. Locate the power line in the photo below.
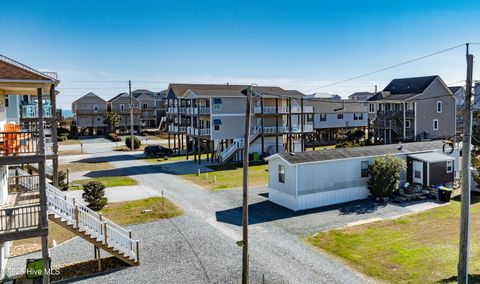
(390, 67)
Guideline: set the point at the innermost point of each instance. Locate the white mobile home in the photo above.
(307, 180)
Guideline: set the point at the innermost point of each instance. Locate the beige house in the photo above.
(89, 114)
(148, 114)
(120, 104)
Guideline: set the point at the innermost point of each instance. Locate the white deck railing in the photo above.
(91, 222)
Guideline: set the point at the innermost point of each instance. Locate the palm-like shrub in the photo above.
(94, 195)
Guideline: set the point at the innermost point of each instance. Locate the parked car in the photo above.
(157, 150)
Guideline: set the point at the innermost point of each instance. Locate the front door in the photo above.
(417, 172)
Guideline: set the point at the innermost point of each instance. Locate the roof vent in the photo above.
(292, 154)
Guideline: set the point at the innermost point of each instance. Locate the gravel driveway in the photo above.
(200, 246)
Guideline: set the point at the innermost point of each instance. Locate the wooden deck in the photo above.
(20, 216)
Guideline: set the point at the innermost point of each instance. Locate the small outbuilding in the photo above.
(313, 179)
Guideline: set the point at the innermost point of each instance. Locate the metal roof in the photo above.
(432, 157)
(358, 152)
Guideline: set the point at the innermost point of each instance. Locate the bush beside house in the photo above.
(385, 175)
(94, 195)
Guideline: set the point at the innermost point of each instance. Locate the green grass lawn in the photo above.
(130, 212)
(228, 176)
(170, 159)
(419, 248)
(107, 181)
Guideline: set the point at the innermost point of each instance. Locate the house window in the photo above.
(323, 117)
(144, 106)
(358, 116)
(6, 101)
(340, 116)
(216, 124)
(439, 107)
(435, 124)
(355, 117)
(98, 118)
(371, 108)
(95, 108)
(364, 166)
(281, 173)
(217, 103)
(25, 99)
(407, 123)
(449, 166)
(122, 107)
(309, 118)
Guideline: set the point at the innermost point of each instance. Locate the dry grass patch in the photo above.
(229, 176)
(79, 167)
(419, 248)
(141, 211)
(69, 142)
(55, 232)
(69, 152)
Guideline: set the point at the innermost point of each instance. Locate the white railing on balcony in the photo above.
(15, 143)
(20, 217)
(198, 110)
(283, 109)
(286, 129)
(198, 131)
(92, 223)
(172, 110)
(182, 110)
(31, 111)
(20, 182)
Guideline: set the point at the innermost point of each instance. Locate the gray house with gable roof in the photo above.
(413, 109)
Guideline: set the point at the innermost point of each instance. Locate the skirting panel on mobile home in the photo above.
(313, 200)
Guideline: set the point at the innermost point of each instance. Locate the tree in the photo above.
(385, 175)
(62, 184)
(94, 195)
(112, 119)
(136, 143)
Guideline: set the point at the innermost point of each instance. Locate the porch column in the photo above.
(42, 183)
(54, 126)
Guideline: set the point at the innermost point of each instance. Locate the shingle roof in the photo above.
(455, 89)
(414, 85)
(13, 70)
(362, 94)
(357, 152)
(229, 90)
(334, 106)
(90, 94)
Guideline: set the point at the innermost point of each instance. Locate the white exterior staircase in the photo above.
(226, 154)
(92, 226)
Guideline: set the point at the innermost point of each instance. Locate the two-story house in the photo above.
(89, 113)
(148, 115)
(459, 94)
(412, 109)
(332, 117)
(23, 214)
(161, 108)
(120, 104)
(210, 119)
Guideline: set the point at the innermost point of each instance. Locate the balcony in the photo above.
(172, 110)
(31, 111)
(286, 129)
(21, 211)
(198, 131)
(18, 142)
(177, 129)
(283, 109)
(198, 110)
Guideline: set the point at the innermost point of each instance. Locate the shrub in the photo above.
(114, 137)
(62, 184)
(385, 175)
(136, 143)
(94, 195)
(62, 138)
(476, 178)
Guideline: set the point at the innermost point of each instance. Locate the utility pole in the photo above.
(466, 177)
(245, 187)
(132, 137)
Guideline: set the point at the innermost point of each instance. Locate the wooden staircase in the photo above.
(92, 226)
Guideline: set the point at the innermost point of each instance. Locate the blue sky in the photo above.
(294, 44)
